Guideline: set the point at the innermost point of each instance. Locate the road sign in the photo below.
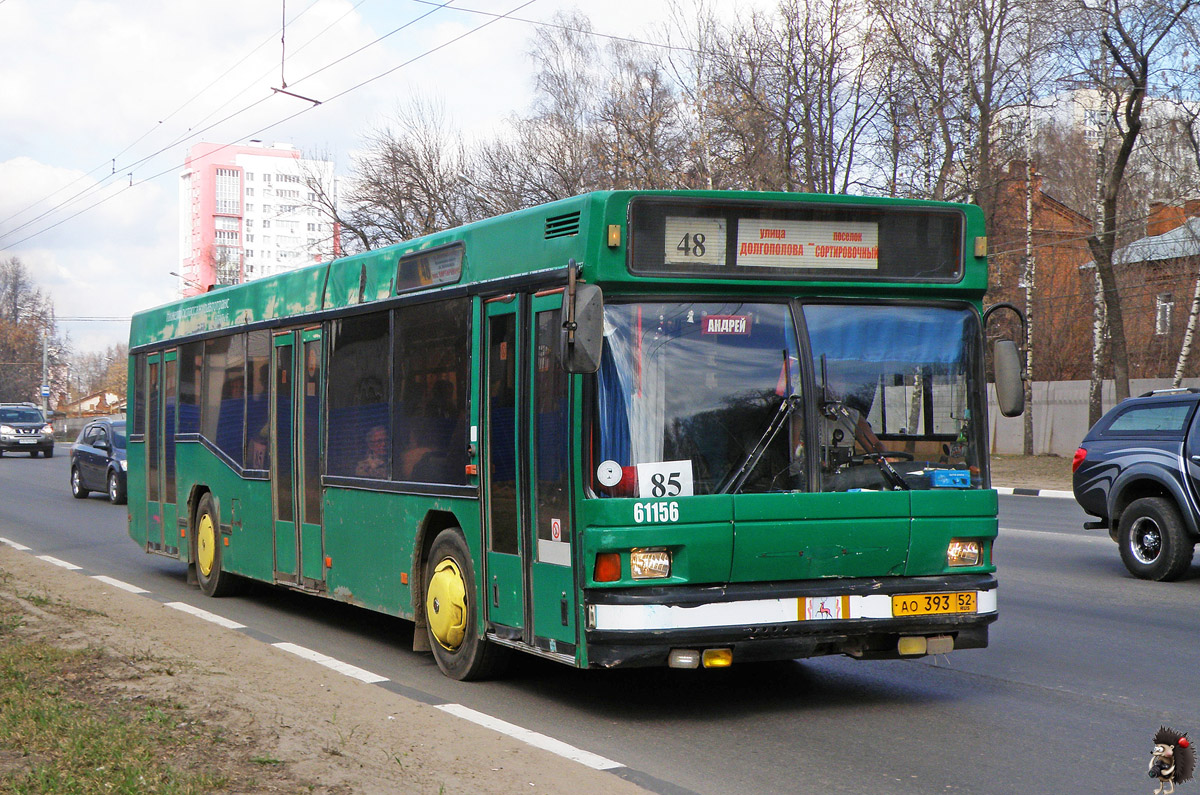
(45, 390)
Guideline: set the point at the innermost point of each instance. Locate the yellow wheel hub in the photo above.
(446, 605)
(206, 545)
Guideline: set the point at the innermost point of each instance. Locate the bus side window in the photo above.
(431, 371)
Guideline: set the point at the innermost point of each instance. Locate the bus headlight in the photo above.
(964, 552)
(649, 564)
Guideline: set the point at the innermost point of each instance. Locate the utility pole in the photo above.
(45, 373)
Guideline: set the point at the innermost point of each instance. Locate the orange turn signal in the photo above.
(608, 567)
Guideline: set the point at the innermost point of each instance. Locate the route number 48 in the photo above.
(692, 245)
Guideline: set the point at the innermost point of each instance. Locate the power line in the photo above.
(261, 130)
(143, 136)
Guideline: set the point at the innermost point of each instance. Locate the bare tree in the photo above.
(27, 332)
(1138, 41)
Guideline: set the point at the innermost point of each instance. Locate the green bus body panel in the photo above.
(701, 542)
(939, 516)
(502, 591)
(800, 536)
(553, 590)
(369, 538)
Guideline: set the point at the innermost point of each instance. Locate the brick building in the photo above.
(1062, 304)
(1157, 276)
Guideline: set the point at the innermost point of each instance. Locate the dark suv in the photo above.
(24, 429)
(1138, 470)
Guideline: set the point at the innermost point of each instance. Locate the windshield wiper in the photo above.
(742, 473)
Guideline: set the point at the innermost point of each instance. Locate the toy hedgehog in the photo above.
(1173, 760)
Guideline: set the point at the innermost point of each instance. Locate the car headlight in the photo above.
(964, 552)
(7, 429)
(47, 430)
(124, 465)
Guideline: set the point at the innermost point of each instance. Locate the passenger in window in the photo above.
(414, 461)
(374, 465)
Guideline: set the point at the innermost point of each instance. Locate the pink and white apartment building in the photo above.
(251, 211)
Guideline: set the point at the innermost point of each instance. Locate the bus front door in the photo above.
(297, 364)
(530, 591)
(161, 382)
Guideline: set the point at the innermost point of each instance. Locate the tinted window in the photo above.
(258, 400)
(431, 369)
(223, 408)
(118, 435)
(1161, 419)
(359, 421)
(139, 395)
(190, 358)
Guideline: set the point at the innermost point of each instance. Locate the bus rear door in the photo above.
(161, 374)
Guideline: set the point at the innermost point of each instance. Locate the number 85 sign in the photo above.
(665, 479)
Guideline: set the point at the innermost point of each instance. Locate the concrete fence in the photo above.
(1060, 415)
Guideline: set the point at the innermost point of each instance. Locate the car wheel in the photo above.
(206, 551)
(1153, 541)
(451, 611)
(77, 489)
(116, 489)
(48, 452)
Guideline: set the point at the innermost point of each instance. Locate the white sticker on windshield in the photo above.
(665, 479)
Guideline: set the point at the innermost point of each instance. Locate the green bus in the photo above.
(679, 428)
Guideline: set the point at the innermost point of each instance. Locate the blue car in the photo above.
(98, 460)
(1138, 472)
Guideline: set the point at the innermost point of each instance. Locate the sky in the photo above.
(101, 99)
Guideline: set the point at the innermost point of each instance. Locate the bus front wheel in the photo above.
(451, 611)
(206, 551)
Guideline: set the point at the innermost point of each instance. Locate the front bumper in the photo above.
(17, 442)
(772, 621)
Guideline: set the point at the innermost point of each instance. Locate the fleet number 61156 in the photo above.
(655, 512)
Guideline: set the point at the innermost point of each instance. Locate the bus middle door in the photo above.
(529, 585)
(296, 398)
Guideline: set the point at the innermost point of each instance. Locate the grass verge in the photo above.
(68, 726)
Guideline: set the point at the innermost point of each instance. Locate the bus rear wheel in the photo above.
(452, 611)
(206, 551)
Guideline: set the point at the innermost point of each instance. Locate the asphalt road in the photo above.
(1085, 663)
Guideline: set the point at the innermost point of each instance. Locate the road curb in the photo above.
(1022, 492)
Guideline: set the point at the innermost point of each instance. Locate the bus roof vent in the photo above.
(562, 225)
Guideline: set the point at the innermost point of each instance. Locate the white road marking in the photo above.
(14, 545)
(57, 562)
(124, 586)
(550, 744)
(204, 614)
(329, 662)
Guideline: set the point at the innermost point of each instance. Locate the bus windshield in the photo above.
(706, 398)
(896, 394)
(687, 390)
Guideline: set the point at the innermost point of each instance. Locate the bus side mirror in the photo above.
(583, 329)
(1010, 389)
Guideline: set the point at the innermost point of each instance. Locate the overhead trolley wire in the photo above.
(121, 170)
(261, 130)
